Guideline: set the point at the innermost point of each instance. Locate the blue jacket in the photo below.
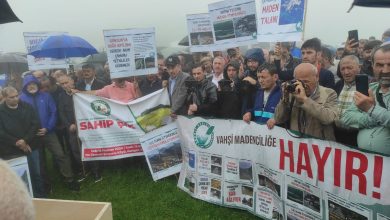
(261, 111)
(42, 102)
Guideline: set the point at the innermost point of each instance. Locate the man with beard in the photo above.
(371, 114)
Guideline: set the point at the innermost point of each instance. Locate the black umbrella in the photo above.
(6, 13)
(184, 41)
(12, 63)
(371, 3)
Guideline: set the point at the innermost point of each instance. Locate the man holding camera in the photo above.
(203, 93)
(306, 106)
(371, 114)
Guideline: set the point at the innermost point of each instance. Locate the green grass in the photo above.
(128, 185)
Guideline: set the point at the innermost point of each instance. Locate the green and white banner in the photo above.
(275, 175)
(111, 130)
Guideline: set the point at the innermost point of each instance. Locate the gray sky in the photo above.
(327, 20)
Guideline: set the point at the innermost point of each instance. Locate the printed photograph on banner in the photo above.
(190, 183)
(246, 171)
(280, 19)
(339, 208)
(215, 190)
(268, 178)
(247, 196)
(154, 115)
(303, 194)
(382, 217)
(192, 160)
(210, 164)
(234, 22)
(162, 151)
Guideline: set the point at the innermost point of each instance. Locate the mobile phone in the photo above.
(362, 83)
(353, 34)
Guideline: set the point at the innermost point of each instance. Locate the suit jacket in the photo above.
(97, 84)
(179, 94)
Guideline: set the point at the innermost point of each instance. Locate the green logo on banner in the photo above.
(203, 135)
(101, 107)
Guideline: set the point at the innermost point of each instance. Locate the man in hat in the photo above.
(176, 87)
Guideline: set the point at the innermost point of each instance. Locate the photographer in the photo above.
(306, 106)
(202, 93)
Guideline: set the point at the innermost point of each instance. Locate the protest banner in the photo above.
(234, 23)
(110, 130)
(280, 20)
(32, 39)
(200, 34)
(131, 52)
(276, 175)
(20, 166)
(162, 151)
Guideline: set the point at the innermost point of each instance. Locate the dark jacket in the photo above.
(96, 84)
(42, 103)
(16, 124)
(229, 100)
(287, 73)
(326, 78)
(205, 97)
(261, 111)
(148, 87)
(66, 109)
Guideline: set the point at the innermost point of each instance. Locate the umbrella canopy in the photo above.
(100, 58)
(6, 13)
(371, 3)
(184, 41)
(63, 46)
(12, 63)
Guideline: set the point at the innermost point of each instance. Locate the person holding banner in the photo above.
(229, 99)
(203, 93)
(176, 86)
(267, 96)
(120, 90)
(249, 84)
(371, 114)
(306, 106)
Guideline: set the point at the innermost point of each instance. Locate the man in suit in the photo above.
(89, 82)
(176, 86)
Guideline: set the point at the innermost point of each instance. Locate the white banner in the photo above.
(111, 130)
(280, 20)
(234, 23)
(200, 33)
(31, 40)
(131, 52)
(162, 151)
(272, 173)
(20, 166)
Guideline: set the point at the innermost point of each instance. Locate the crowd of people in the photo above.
(315, 96)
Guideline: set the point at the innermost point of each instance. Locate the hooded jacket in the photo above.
(42, 102)
(229, 102)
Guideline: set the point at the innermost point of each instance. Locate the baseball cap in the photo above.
(172, 60)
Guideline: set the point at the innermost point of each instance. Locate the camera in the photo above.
(291, 85)
(191, 85)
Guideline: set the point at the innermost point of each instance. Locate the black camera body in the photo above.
(191, 85)
(291, 85)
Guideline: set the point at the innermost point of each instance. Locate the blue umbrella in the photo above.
(63, 46)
